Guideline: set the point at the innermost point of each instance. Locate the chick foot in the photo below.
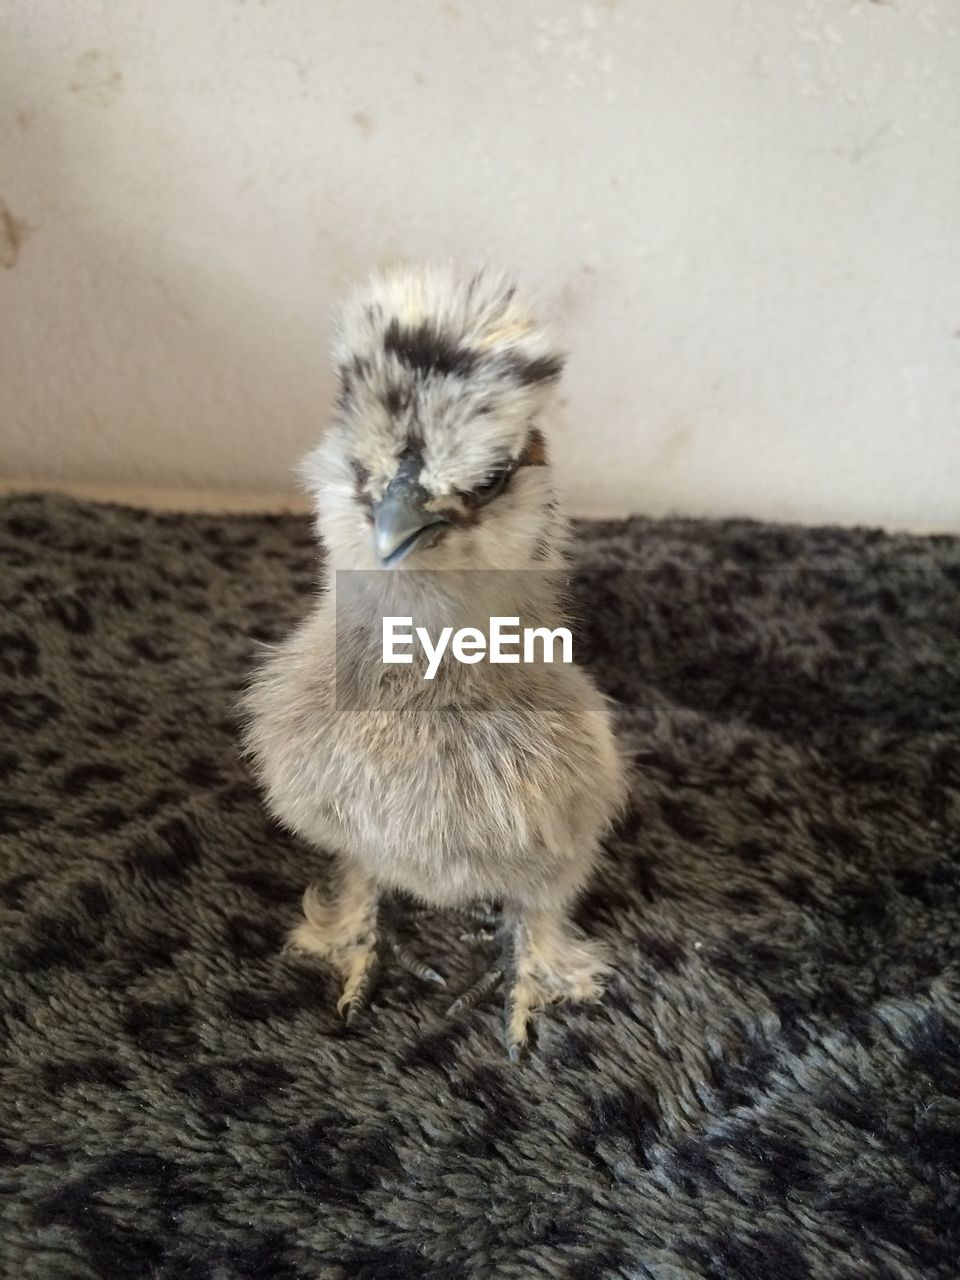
(543, 960)
(355, 933)
(549, 961)
(486, 919)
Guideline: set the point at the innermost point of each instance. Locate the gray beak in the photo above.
(400, 522)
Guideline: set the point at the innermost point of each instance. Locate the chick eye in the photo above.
(491, 486)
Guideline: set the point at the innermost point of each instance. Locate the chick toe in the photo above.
(412, 964)
(487, 982)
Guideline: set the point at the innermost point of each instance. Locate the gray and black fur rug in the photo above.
(770, 1090)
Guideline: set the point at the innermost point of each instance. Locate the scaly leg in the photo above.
(350, 929)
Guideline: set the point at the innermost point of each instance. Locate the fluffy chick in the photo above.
(489, 782)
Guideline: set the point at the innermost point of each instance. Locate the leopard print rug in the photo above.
(770, 1089)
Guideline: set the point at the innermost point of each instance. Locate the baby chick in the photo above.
(487, 783)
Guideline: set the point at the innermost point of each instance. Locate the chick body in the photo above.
(488, 782)
(494, 786)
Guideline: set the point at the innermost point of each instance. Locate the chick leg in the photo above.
(342, 929)
(351, 930)
(549, 961)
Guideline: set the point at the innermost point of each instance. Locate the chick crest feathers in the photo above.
(437, 322)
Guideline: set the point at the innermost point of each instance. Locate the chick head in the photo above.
(436, 459)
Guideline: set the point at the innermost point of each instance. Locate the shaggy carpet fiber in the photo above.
(770, 1089)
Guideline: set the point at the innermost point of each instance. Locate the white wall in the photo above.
(744, 214)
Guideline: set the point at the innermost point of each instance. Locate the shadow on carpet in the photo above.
(769, 1090)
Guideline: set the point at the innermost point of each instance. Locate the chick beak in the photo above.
(400, 522)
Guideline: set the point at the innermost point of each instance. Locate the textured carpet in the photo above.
(771, 1089)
